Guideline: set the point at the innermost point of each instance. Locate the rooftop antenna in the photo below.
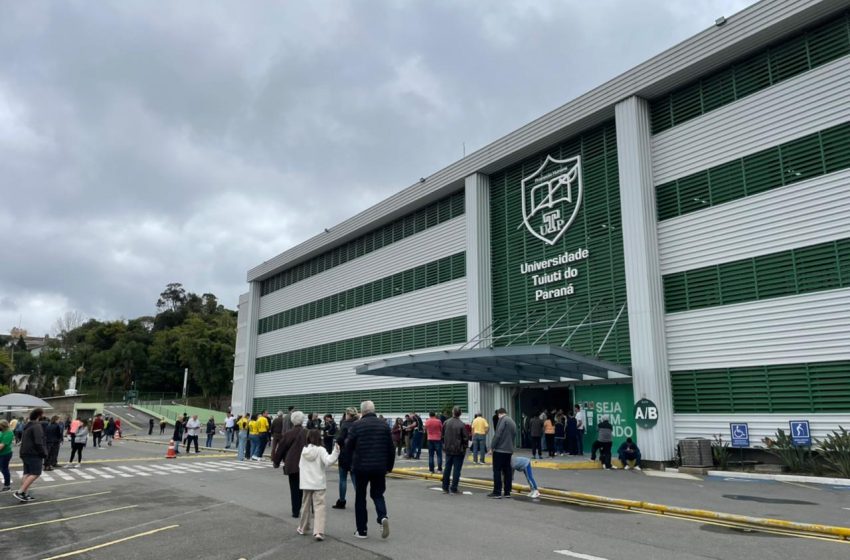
(464, 149)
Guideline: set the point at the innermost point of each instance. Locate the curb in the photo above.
(829, 531)
(554, 465)
(782, 477)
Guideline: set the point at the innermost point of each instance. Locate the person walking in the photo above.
(229, 424)
(276, 432)
(581, 426)
(150, 426)
(348, 418)
(109, 430)
(604, 440)
(329, 429)
(210, 431)
(7, 441)
(241, 427)
(372, 456)
(78, 444)
(179, 430)
(53, 439)
(313, 482)
(398, 437)
(193, 429)
(502, 448)
(97, 431)
(479, 438)
(32, 454)
(535, 432)
(523, 465)
(455, 443)
(289, 453)
(162, 425)
(434, 429)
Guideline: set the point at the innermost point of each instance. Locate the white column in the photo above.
(251, 344)
(478, 302)
(644, 290)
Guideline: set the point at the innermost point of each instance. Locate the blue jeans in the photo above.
(416, 446)
(479, 445)
(254, 440)
(343, 482)
(209, 440)
(559, 445)
(264, 440)
(4, 468)
(453, 463)
(228, 437)
(530, 477)
(625, 458)
(241, 440)
(435, 448)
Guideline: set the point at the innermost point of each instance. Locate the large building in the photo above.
(679, 235)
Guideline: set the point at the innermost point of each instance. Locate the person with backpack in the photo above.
(78, 444)
(32, 454)
(313, 482)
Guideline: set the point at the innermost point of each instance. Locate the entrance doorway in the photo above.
(534, 400)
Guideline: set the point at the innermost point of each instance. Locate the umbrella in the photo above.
(22, 400)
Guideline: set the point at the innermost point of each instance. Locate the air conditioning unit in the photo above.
(696, 452)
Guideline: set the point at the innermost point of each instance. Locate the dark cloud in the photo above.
(144, 143)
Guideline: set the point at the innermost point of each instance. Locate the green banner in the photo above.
(617, 401)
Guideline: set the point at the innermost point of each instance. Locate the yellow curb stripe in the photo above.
(58, 500)
(633, 505)
(118, 541)
(19, 527)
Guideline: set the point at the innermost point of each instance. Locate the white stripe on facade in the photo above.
(336, 376)
(798, 215)
(760, 425)
(796, 107)
(811, 327)
(429, 245)
(442, 301)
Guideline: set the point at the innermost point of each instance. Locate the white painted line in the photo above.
(781, 477)
(63, 475)
(671, 474)
(134, 471)
(153, 469)
(467, 493)
(84, 475)
(47, 478)
(100, 474)
(578, 555)
(119, 473)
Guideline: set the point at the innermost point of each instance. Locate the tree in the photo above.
(206, 346)
(69, 321)
(21, 344)
(172, 298)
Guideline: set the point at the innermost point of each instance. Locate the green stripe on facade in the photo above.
(424, 276)
(824, 266)
(789, 388)
(414, 337)
(432, 215)
(407, 399)
(817, 154)
(785, 59)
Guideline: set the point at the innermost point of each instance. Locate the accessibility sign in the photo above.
(801, 435)
(740, 435)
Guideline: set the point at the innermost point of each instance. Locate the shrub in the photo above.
(794, 458)
(835, 449)
(720, 452)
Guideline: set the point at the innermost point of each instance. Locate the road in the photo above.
(129, 502)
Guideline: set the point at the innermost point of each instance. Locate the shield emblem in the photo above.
(551, 197)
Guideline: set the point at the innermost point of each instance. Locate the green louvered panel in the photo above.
(436, 333)
(823, 152)
(598, 228)
(423, 276)
(409, 399)
(434, 214)
(787, 58)
(788, 388)
(824, 266)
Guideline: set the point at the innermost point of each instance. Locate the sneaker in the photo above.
(445, 491)
(439, 470)
(494, 496)
(299, 531)
(5, 489)
(385, 528)
(534, 494)
(29, 497)
(637, 468)
(507, 496)
(626, 468)
(319, 537)
(19, 496)
(340, 504)
(360, 535)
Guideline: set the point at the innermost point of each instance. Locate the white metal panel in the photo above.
(336, 376)
(760, 425)
(434, 243)
(746, 31)
(802, 328)
(796, 107)
(799, 215)
(479, 314)
(442, 301)
(237, 398)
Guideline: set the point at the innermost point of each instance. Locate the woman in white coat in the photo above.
(313, 482)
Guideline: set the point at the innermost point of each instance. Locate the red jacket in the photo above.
(97, 425)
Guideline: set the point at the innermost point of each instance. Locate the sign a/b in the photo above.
(646, 413)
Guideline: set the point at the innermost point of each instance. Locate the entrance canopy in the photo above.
(512, 364)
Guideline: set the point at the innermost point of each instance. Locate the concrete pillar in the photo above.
(243, 385)
(644, 290)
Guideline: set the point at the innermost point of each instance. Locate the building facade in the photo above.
(671, 248)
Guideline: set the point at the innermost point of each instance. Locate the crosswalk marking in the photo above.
(129, 471)
(134, 471)
(99, 473)
(63, 475)
(119, 473)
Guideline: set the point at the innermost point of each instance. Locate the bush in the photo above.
(835, 449)
(794, 458)
(720, 452)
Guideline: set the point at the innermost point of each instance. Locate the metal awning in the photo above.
(512, 364)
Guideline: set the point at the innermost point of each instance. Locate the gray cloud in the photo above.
(147, 143)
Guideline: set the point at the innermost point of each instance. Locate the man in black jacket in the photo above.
(32, 454)
(344, 463)
(370, 446)
(53, 439)
(455, 443)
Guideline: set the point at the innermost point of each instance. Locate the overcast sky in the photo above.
(143, 143)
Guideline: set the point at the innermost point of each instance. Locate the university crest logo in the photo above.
(551, 197)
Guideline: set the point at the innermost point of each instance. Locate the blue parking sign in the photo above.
(740, 435)
(800, 433)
